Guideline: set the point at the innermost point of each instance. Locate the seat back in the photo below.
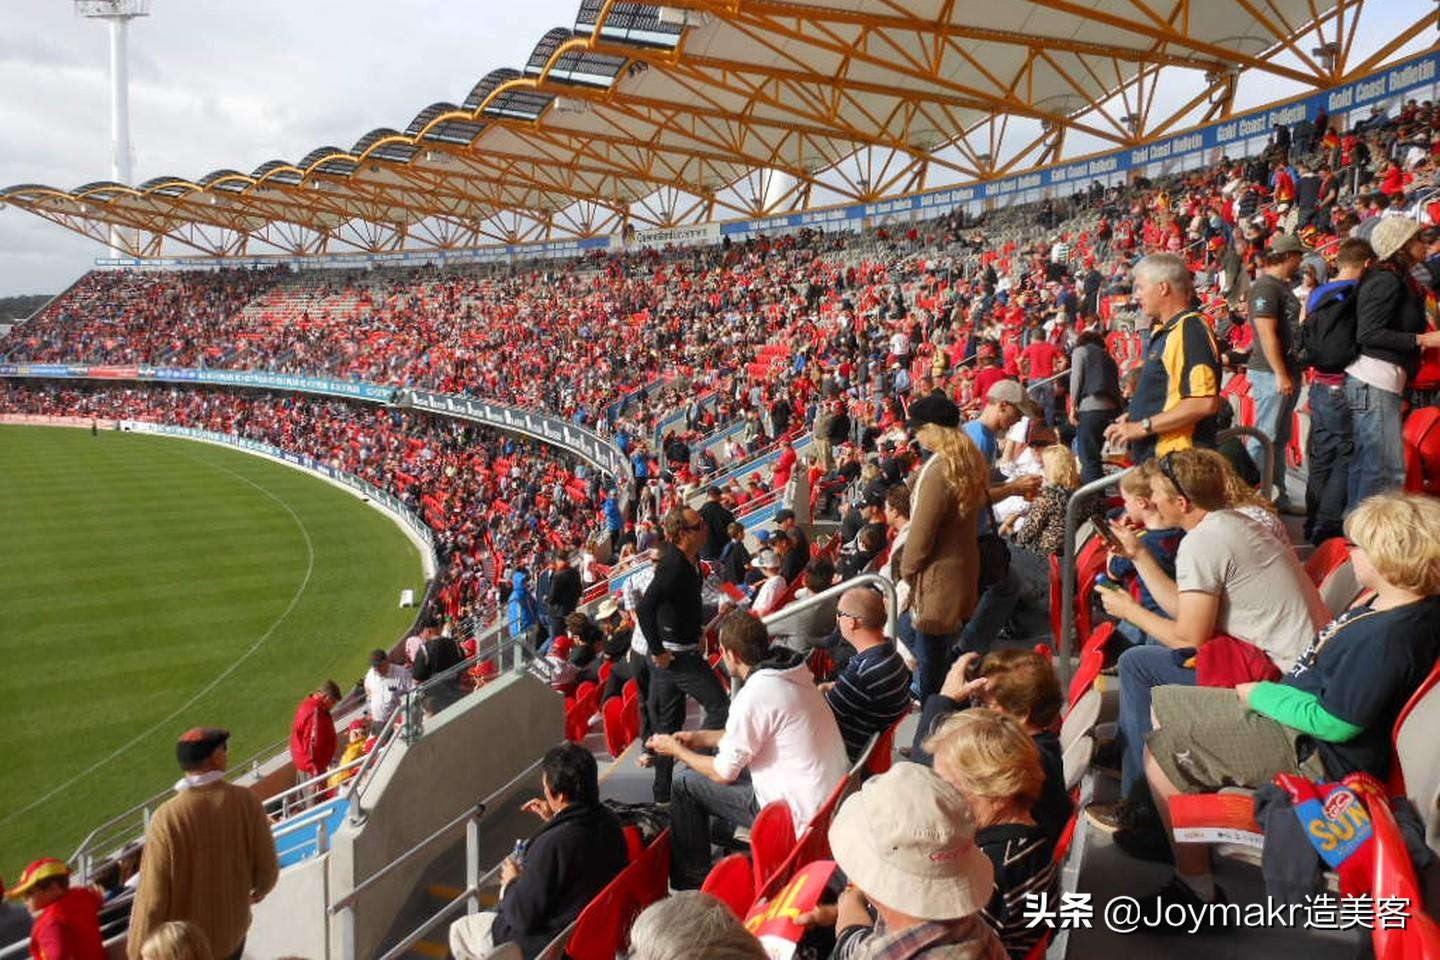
(1092, 660)
(1076, 760)
(732, 882)
(1418, 936)
(772, 838)
(617, 734)
(632, 716)
(882, 758)
(1081, 718)
(1416, 772)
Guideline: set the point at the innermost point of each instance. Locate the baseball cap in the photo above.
(783, 514)
(908, 839)
(1006, 391)
(1286, 243)
(46, 868)
(767, 560)
(764, 536)
(934, 408)
(197, 743)
(378, 656)
(872, 498)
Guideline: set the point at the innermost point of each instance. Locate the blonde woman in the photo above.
(941, 559)
(989, 758)
(1043, 532)
(1243, 498)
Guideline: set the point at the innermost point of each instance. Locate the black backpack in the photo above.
(1328, 336)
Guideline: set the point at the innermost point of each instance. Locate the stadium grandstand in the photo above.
(942, 480)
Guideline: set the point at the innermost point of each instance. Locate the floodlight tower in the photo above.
(119, 13)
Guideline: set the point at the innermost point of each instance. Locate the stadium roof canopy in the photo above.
(664, 115)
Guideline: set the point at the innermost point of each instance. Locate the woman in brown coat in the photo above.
(941, 559)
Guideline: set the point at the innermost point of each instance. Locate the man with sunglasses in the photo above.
(872, 691)
(672, 618)
(1178, 395)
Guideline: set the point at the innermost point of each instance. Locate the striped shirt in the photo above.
(870, 693)
(1024, 860)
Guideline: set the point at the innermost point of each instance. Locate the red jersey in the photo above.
(69, 929)
(1042, 356)
(312, 737)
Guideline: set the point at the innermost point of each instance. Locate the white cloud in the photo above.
(215, 83)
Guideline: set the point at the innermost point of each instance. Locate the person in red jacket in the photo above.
(312, 736)
(67, 920)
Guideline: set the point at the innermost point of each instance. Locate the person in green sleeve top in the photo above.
(1332, 714)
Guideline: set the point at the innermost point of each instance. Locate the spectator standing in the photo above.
(785, 523)
(563, 593)
(941, 560)
(1391, 332)
(1330, 444)
(1095, 401)
(717, 523)
(671, 617)
(1005, 406)
(312, 735)
(780, 742)
(439, 654)
(1178, 394)
(735, 558)
(66, 923)
(521, 614)
(577, 852)
(872, 690)
(208, 852)
(1273, 366)
(386, 684)
(906, 842)
(15, 921)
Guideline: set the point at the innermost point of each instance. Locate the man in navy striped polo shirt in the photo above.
(872, 691)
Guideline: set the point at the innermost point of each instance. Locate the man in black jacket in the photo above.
(437, 654)
(579, 850)
(672, 619)
(564, 593)
(717, 523)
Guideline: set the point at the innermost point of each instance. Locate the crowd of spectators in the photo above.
(944, 376)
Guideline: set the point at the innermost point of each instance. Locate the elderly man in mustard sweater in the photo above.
(209, 853)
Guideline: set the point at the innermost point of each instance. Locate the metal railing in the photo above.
(343, 910)
(1081, 500)
(489, 646)
(892, 615)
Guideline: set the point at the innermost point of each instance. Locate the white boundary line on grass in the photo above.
(254, 648)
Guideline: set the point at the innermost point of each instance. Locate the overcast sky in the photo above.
(216, 83)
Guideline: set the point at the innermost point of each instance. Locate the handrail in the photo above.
(1063, 643)
(475, 812)
(411, 717)
(892, 615)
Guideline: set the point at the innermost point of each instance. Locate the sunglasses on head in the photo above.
(1169, 472)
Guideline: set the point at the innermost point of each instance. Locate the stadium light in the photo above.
(119, 13)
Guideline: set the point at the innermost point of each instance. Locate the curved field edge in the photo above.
(137, 570)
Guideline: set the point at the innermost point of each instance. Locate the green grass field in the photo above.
(151, 584)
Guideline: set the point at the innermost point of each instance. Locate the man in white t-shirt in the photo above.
(780, 742)
(1232, 577)
(385, 686)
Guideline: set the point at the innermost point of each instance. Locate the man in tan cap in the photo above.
(209, 853)
(906, 841)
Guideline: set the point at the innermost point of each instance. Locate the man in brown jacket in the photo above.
(208, 853)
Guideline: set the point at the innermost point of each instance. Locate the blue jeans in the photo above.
(1142, 669)
(1328, 451)
(996, 605)
(694, 801)
(1274, 416)
(932, 657)
(1379, 461)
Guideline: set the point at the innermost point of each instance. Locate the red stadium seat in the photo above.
(732, 882)
(617, 732)
(882, 758)
(772, 838)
